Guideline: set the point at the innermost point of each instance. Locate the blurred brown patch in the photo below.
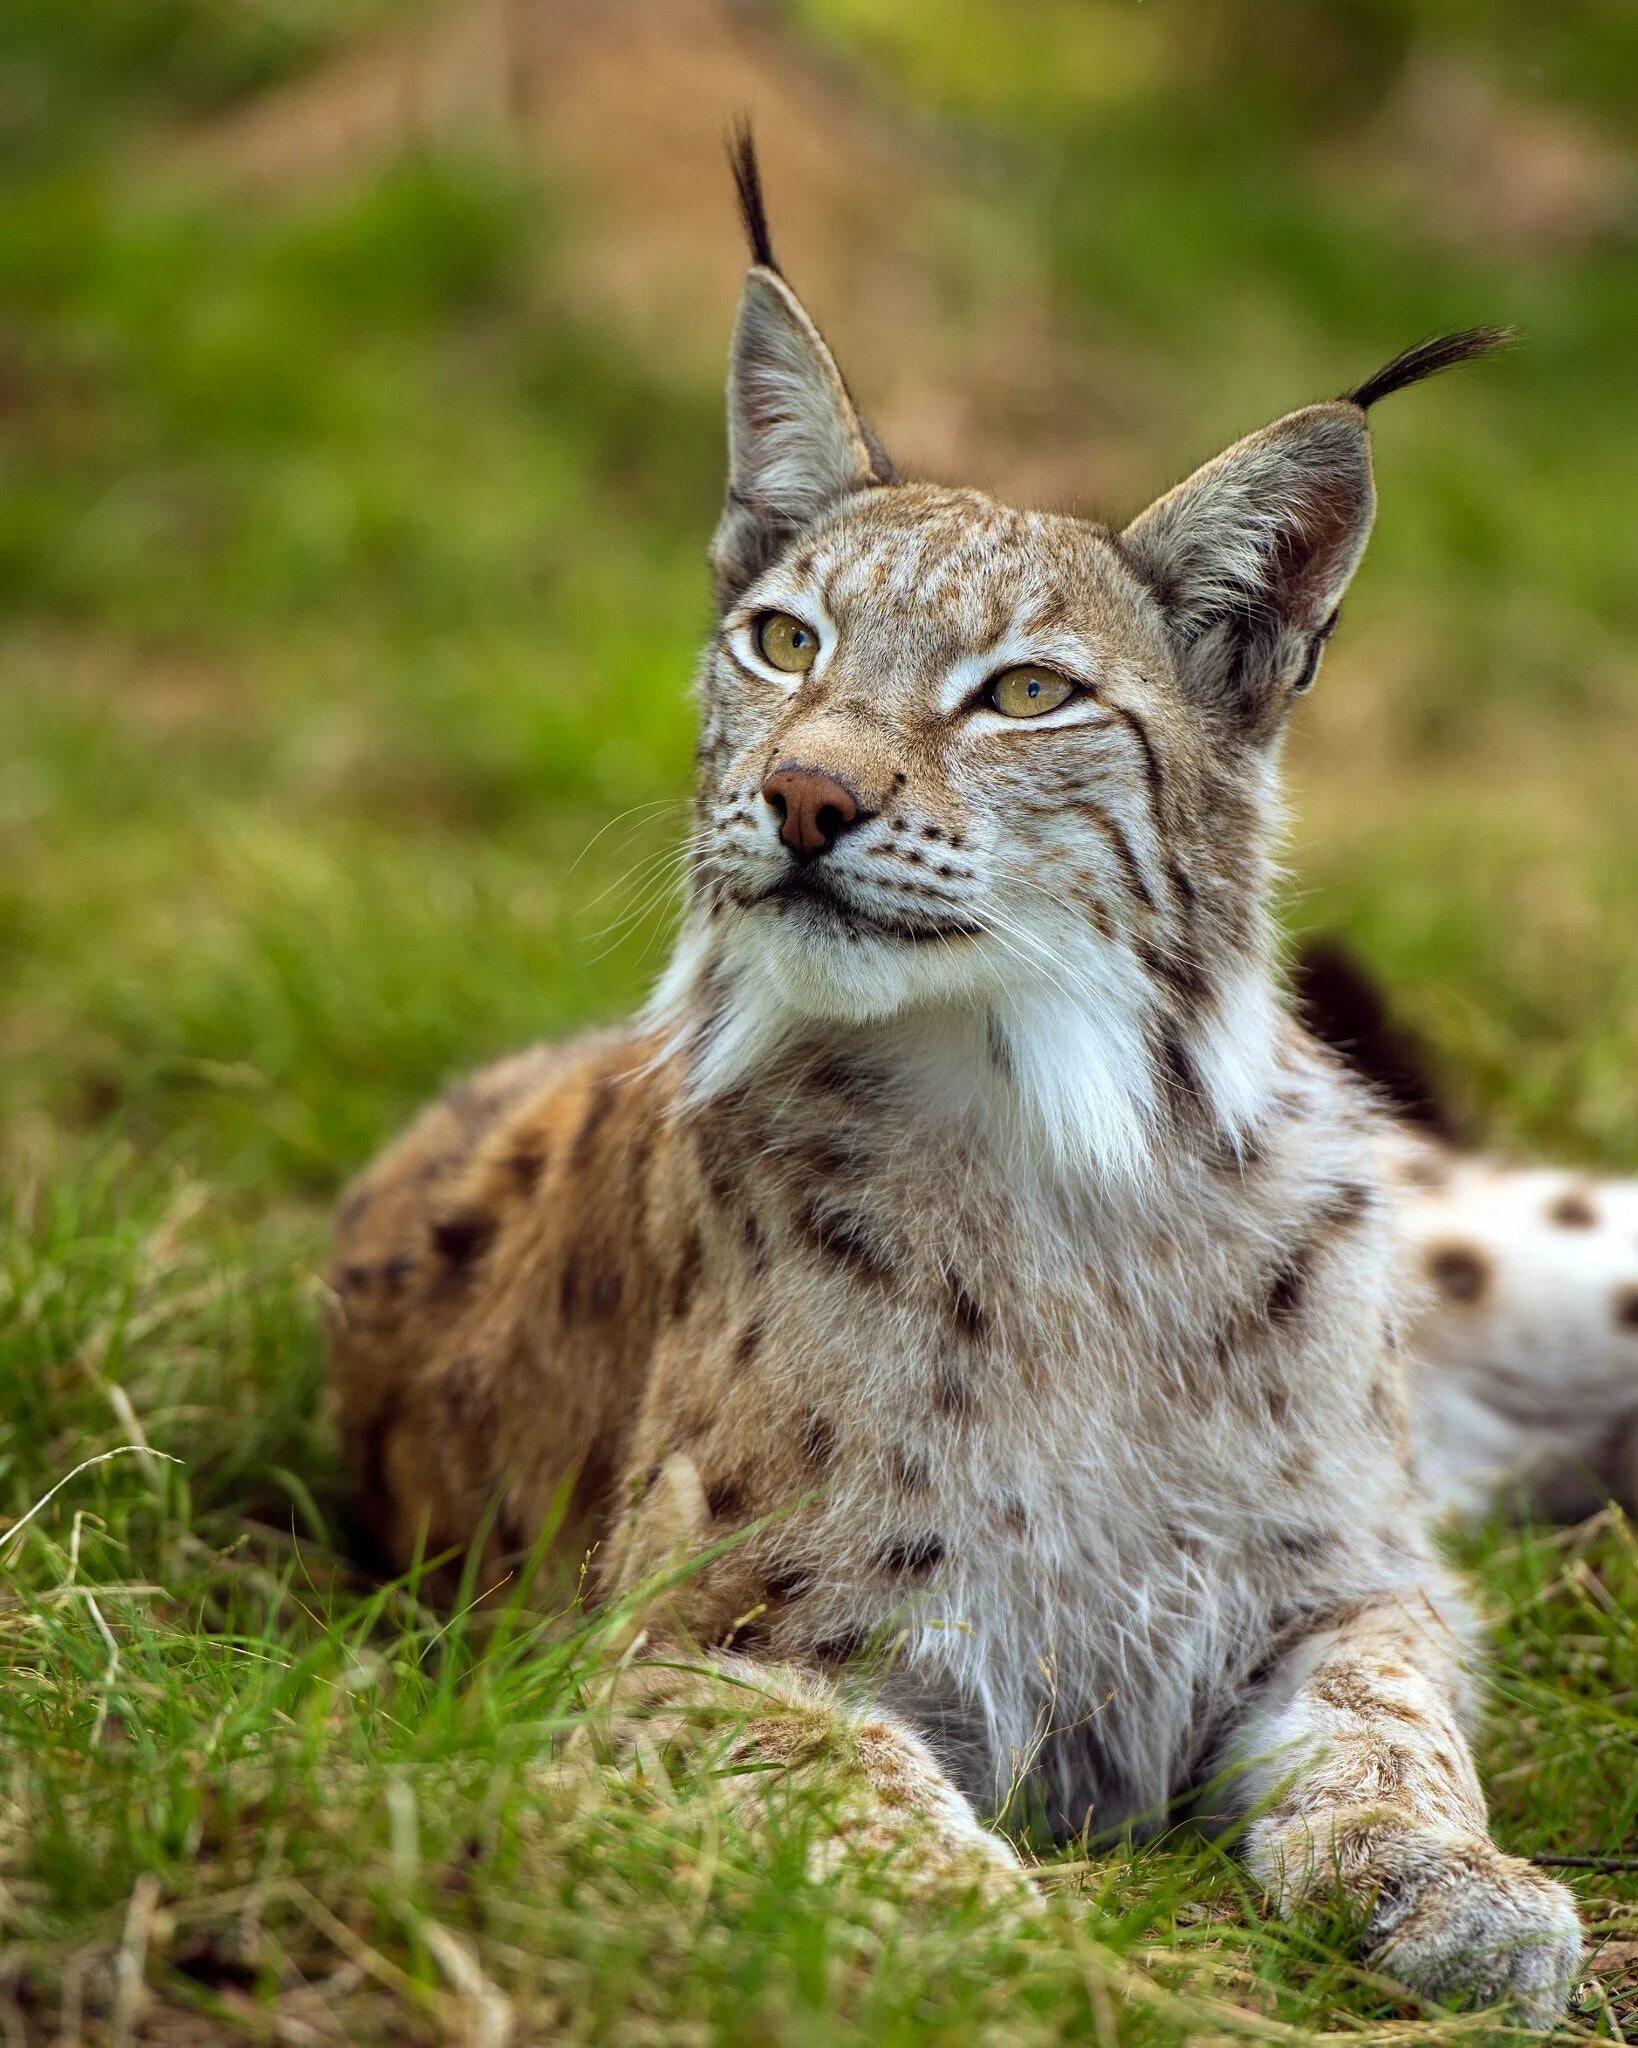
(941, 315)
(1513, 178)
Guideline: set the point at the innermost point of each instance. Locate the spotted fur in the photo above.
(966, 1250)
(1525, 1332)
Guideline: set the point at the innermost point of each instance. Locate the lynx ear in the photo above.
(1251, 555)
(795, 441)
(1250, 558)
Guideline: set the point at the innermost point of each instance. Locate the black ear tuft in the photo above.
(1426, 359)
(748, 184)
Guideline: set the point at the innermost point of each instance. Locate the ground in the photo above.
(351, 515)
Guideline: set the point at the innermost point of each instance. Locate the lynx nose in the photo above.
(813, 808)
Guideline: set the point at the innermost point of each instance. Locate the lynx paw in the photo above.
(932, 1868)
(1455, 1919)
(903, 1810)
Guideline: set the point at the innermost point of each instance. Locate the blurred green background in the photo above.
(358, 389)
(359, 444)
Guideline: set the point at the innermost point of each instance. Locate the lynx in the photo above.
(967, 1251)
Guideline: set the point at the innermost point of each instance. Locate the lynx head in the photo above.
(969, 768)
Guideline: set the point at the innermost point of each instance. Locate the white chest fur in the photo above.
(1077, 1526)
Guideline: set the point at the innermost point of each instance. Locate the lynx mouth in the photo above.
(829, 912)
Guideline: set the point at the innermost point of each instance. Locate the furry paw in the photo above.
(900, 1810)
(928, 1866)
(1456, 1920)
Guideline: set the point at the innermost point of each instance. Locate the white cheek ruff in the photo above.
(1046, 1037)
(1081, 1071)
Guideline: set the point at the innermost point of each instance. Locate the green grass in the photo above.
(349, 582)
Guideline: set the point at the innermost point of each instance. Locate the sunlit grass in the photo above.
(351, 583)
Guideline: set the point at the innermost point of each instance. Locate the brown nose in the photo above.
(814, 808)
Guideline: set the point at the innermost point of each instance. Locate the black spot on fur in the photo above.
(970, 1319)
(713, 1148)
(916, 1557)
(1286, 1289)
(845, 1647)
(1460, 1272)
(600, 1101)
(460, 1241)
(836, 1075)
(1186, 1098)
(724, 1499)
(910, 1473)
(1182, 973)
(685, 1281)
(748, 1342)
(952, 1395)
(995, 1041)
(844, 1236)
(1573, 1211)
(1350, 1204)
(526, 1167)
(818, 1438)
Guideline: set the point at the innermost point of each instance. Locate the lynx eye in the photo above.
(1029, 692)
(786, 643)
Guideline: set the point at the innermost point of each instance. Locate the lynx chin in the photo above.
(969, 1228)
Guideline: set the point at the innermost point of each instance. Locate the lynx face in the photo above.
(959, 783)
(1009, 775)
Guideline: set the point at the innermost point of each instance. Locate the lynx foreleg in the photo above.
(1362, 1786)
(755, 1729)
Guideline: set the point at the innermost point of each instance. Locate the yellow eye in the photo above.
(1029, 692)
(786, 642)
